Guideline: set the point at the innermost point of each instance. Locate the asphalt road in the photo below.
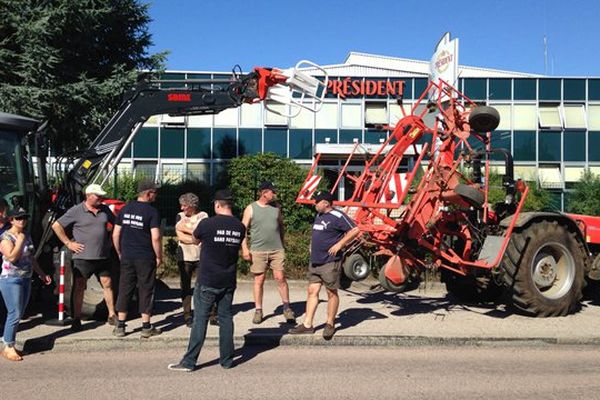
(547, 372)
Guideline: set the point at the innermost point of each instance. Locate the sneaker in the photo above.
(119, 331)
(152, 331)
(179, 367)
(112, 321)
(328, 332)
(301, 330)
(76, 325)
(289, 315)
(258, 317)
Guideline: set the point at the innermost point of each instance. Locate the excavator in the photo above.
(24, 144)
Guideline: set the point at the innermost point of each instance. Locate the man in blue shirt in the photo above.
(331, 231)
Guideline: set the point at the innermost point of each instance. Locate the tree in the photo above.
(246, 173)
(69, 61)
(585, 199)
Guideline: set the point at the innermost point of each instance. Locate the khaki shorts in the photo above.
(263, 260)
(328, 274)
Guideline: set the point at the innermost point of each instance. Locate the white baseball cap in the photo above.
(95, 189)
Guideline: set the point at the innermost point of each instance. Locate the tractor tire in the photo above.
(390, 286)
(470, 194)
(356, 268)
(544, 269)
(471, 289)
(484, 119)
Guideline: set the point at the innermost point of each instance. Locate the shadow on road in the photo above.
(46, 343)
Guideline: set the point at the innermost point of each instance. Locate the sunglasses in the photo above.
(22, 218)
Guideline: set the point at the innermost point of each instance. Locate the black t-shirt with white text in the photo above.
(136, 219)
(221, 237)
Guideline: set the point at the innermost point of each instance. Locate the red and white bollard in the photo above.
(61, 321)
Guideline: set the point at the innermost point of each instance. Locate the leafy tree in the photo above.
(69, 61)
(585, 199)
(246, 173)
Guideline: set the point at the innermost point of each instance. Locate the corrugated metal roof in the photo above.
(373, 65)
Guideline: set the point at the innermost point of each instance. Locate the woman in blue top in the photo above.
(18, 265)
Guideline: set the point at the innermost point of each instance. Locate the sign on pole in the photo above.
(444, 63)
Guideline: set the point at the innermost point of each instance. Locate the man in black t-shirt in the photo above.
(221, 237)
(137, 240)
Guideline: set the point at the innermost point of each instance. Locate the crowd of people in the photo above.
(208, 247)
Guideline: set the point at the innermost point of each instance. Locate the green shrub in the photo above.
(585, 198)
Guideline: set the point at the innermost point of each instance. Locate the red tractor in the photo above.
(437, 215)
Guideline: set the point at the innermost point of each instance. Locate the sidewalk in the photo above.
(367, 317)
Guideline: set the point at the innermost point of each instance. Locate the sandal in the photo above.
(11, 354)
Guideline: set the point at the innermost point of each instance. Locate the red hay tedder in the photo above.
(436, 216)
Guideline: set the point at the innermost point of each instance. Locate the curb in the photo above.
(38, 345)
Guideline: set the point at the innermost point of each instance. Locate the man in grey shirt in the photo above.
(91, 246)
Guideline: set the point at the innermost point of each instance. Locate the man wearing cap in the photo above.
(331, 231)
(221, 238)
(137, 240)
(265, 227)
(91, 246)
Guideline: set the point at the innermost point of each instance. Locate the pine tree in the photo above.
(69, 61)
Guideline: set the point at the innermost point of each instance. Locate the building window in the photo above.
(396, 112)
(593, 89)
(574, 89)
(499, 89)
(172, 173)
(594, 117)
(376, 113)
(145, 144)
(276, 141)
(549, 89)
(327, 117)
(528, 173)
(349, 136)
(274, 114)
(593, 146)
(407, 90)
(524, 117)
(549, 146)
(420, 86)
(524, 146)
(574, 142)
(172, 143)
(375, 137)
(572, 176)
(504, 111)
(250, 141)
(198, 172)
(524, 89)
(198, 142)
(300, 143)
(574, 116)
(550, 177)
(351, 115)
(304, 120)
(326, 136)
(500, 140)
(224, 143)
(549, 116)
(474, 88)
(145, 169)
(251, 115)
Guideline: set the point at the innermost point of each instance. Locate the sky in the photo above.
(215, 35)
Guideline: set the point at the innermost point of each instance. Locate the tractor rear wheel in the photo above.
(544, 268)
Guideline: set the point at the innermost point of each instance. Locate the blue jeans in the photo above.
(15, 292)
(204, 298)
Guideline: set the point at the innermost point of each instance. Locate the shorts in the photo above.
(87, 268)
(263, 260)
(328, 274)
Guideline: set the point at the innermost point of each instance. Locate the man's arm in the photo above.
(156, 244)
(72, 245)
(349, 236)
(116, 237)
(281, 227)
(246, 220)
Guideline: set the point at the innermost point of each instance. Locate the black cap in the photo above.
(324, 195)
(266, 185)
(224, 194)
(16, 213)
(146, 184)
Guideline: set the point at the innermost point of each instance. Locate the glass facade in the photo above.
(554, 122)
